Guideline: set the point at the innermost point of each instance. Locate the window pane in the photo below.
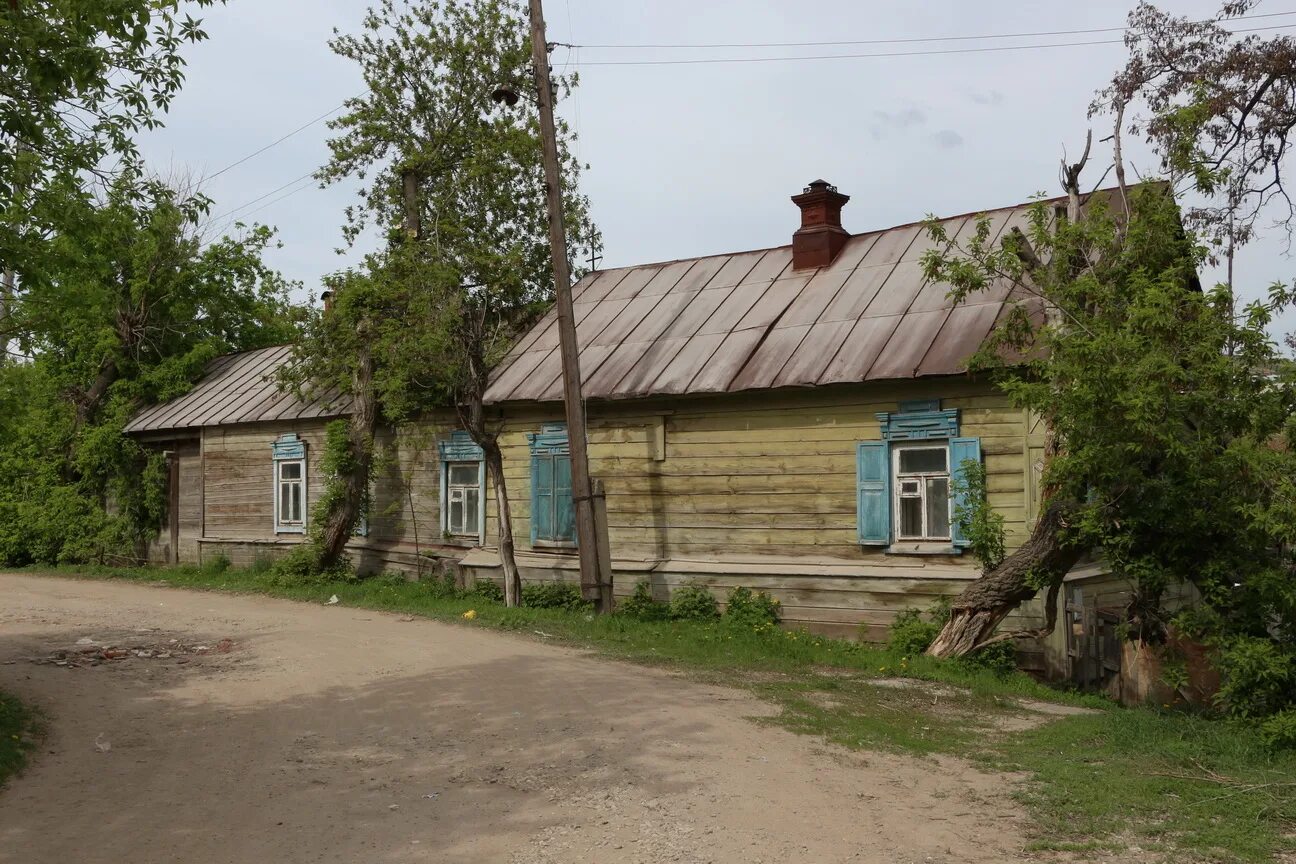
(926, 460)
(290, 470)
(284, 503)
(295, 491)
(456, 517)
(463, 474)
(471, 504)
(910, 517)
(938, 507)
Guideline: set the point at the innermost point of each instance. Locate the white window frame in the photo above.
(447, 490)
(922, 477)
(281, 525)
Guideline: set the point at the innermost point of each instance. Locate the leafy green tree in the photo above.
(457, 185)
(80, 79)
(128, 310)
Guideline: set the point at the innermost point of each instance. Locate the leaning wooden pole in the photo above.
(588, 541)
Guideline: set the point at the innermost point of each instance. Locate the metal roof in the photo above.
(747, 321)
(238, 388)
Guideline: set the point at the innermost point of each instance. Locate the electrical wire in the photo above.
(245, 205)
(278, 141)
(715, 60)
(899, 41)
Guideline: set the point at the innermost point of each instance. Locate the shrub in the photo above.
(261, 564)
(641, 604)
(441, 586)
(910, 633)
(485, 589)
(1259, 677)
(1280, 729)
(300, 567)
(693, 602)
(999, 658)
(393, 578)
(752, 609)
(554, 595)
(216, 564)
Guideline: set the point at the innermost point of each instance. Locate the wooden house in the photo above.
(789, 419)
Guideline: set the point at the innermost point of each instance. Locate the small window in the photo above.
(463, 498)
(553, 516)
(922, 492)
(291, 498)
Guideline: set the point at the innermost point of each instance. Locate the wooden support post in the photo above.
(605, 602)
(173, 506)
(587, 537)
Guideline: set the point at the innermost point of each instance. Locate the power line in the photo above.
(713, 60)
(278, 141)
(900, 41)
(247, 204)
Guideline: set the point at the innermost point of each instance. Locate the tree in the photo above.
(80, 79)
(1160, 401)
(128, 310)
(457, 185)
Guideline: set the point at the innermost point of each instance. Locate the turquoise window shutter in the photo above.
(873, 492)
(564, 507)
(961, 450)
(542, 497)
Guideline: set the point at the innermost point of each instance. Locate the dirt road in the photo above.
(317, 733)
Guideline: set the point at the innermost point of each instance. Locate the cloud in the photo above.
(994, 97)
(901, 119)
(947, 139)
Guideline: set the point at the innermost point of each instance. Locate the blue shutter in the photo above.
(542, 509)
(961, 450)
(564, 508)
(873, 492)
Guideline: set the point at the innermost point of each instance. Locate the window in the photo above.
(463, 488)
(906, 483)
(922, 498)
(290, 502)
(463, 498)
(553, 516)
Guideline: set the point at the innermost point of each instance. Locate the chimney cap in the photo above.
(819, 186)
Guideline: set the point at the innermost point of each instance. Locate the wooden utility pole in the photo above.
(596, 584)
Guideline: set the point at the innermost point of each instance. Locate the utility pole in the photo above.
(596, 585)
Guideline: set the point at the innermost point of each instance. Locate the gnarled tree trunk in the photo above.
(983, 605)
(508, 563)
(340, 522)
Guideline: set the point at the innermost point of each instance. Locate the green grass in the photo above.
(1182, 786)
(19, 731)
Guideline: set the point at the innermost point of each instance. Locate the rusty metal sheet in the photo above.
(908, 345)
(701, 273)
(859, 350)
(858, 292)
(532, 385)
(692, 356)
(616, 330)
(502, 387)
(237, 388)
(821, 344)
(629, 286)
(769, 357)
(774, 302)
(934, 294)
(735, 269)
(960, 336)
(702, 304)
(592, 362)
(724, 364)
(603, 366)
(666, 279)
(748, 293)
(654, 361)
(824, 286)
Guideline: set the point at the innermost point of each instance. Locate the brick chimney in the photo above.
(821, 236)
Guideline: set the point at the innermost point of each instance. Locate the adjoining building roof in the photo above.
(748, 321)
(238, 388)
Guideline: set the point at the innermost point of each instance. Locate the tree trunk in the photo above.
(89, 402)
(983, 605)
(340, 522)
(495, 465)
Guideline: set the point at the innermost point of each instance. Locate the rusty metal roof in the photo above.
(238, 388)
(747, 321)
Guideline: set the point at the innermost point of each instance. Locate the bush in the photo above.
(999, 658)
(261, 564)
(442, 586)
(1280, 729)
(751, 609)
(485, 589)
(910, 633)
(1259, 677)
(394, 578)
(641, 604)
(554, 595)
(216, 564)
(693, 602)
(300, 568)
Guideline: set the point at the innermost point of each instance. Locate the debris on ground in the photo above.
(333, 601)
(89, 652)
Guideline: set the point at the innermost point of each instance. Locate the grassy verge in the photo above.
(18, 733)
(1176, 786)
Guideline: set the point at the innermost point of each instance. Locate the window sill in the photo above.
(553, 546)
(912, 548)
(461, 541)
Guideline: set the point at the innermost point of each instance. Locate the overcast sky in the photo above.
(688, 160)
